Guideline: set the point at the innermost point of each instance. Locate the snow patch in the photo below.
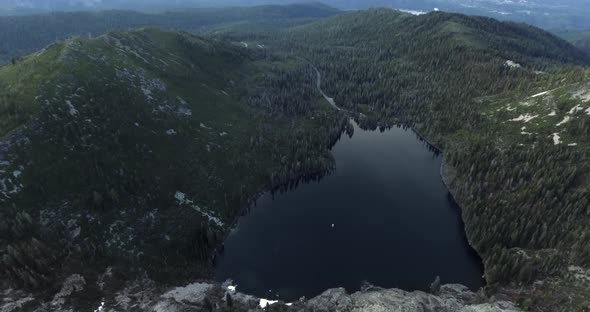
(583, 95)
(171, 132)
(573, 144)
(539, 94)
(556, 139)
(575, 109)
(526, 118)
(512, 64)
(564, 121)
(100, 308)
(265, 302)
(553, 113)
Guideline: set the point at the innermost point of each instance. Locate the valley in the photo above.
(135, 151)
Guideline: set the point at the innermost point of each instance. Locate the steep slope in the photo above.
(507, 103)
(139, 148)
(425, 63)
(26, 34)
(580, 38)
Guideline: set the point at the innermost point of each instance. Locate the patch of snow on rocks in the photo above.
(512, 64)
(539, 94)
(553, 113)
(265, 302)
(564, 121)
(508, 108)
(100, 308)
(526, 118)
(556, 139)
(575, 109)
(583, 95)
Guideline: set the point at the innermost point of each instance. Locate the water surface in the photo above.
(384, 216)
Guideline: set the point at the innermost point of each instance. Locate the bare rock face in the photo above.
(452, 298)
(145, 296)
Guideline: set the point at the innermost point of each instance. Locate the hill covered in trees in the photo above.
(509, 105)
(139, 148)
(174, 131)
(25, 34)
(579, 38)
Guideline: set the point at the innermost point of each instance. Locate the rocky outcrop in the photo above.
(203, 296)
(452, 298)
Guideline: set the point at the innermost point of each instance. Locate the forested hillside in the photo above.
(25, 34)
(139, 148)
(175, 130)
(517, 156)
(580, 39)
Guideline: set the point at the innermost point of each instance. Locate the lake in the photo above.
(384, 216)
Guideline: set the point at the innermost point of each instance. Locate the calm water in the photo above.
(394, 225)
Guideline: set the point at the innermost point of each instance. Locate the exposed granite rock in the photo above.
(452, 298)
(214, 297)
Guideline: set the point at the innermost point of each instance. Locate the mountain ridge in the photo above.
(215, 123)
(16, 40)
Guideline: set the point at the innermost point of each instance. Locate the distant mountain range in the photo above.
(548, 14)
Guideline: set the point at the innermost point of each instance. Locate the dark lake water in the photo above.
(384, 216)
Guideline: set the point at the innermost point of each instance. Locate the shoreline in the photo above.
(444, 174)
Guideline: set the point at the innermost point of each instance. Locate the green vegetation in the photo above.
(467, 84)
(580, 39)
(141, 147)
(25, 34)
(136, 130)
